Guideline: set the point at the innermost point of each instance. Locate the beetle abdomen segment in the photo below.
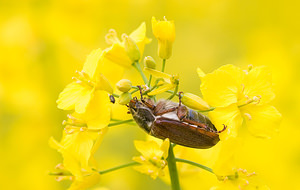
(183, 134)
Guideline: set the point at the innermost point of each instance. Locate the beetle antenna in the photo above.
(141, 92)
(179, 96)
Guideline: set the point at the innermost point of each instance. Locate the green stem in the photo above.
(163, 65)
(120, 122)
(137, 66)
(173, 169)
(149, 82)
(174, 93)
(116, 95)
(194, 164)
(118, 167)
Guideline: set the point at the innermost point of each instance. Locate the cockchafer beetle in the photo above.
(167, 119)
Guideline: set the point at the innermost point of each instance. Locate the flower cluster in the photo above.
(232, 97)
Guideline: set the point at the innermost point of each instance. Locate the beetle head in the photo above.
(142, 114)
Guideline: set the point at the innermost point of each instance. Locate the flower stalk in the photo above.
(173, 169)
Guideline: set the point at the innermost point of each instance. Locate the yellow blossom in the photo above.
(153, 158)
(88, 179)
(164, 32)
(169, 81)
(77, 147)
(242, 180)
(239, 95)
(78, 94)
(117, 54)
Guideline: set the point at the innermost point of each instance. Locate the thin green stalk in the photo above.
(174, 93)
(137, 66)
(116, 95)
(120, 122)
(135, 90)
(118, 167)
(149, 82)
(163, 65)
(173, 169)
(195, 164)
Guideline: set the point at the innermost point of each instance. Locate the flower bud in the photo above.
(150, 62)
(102, 83)
(164, 32)
(193, 101)
(124, 98)
(131, 48)
(124, 85)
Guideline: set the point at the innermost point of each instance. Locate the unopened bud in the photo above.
(124, 85)
(124, 98)
(150, 62)
(193, 101)
(104, 84)
(164, 32)
(131, 48)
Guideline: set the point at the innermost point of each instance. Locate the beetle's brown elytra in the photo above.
(167, 119)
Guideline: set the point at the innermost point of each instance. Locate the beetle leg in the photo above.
(140, 88)
(200, 125)
(149, 103)
(224, 128)
(179, 96)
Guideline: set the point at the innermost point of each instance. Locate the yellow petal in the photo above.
(83, 100)
(70, 96)
(258, 82)
(111, 70)
(117, 54)
(165, 148)
(163, 30)
(200, 73)
(92, 61)
(139, 36)
(262, 121)
(229, 116)
(88, 181)
(146, 148)
(223, 86)
(225, 163)
(161, 89)
(97, 115)
(159, 74)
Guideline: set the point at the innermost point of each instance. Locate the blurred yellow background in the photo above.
(43, 42)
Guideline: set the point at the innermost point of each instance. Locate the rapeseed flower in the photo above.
(153, 158)
(241, 96)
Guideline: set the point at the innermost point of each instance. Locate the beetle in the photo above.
(167, 119)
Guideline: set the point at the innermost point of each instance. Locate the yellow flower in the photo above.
(77, 148)
(153, 158)
(241, 95)
(164, 32)
(169, 81)
(242, 180)
(78, 94)
(117, 53)
(89, 178)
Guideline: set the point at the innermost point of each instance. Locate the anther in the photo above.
(248, 116)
